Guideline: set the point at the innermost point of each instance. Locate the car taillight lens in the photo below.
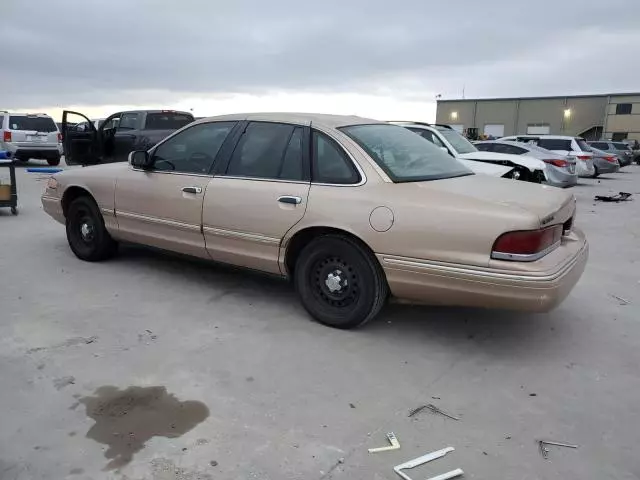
(6, 136)
(584, 157)
(526, 245)
(556, 162)
(610, 158)
(59, 138)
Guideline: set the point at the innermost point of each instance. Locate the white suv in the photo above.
(564, 145)
(27, 135)
(518, 167)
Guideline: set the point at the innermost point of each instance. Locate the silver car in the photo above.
(560, 170)
(30, 135)
(604, 162)
(619, 149)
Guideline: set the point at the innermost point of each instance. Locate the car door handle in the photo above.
(192, 189)
(290, 199)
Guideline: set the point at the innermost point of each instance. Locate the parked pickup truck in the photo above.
(120, 133)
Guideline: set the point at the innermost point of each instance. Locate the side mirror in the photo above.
(140, 159)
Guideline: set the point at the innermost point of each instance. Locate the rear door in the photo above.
(81, 145)
(257, 195)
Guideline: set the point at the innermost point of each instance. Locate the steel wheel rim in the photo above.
(334, 282)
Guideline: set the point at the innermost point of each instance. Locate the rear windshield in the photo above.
(457, 141)
(38, 124)
(167, 121)
(584, 146)
(555, 144)
(599, 145)
(621, 146)
(403, 155)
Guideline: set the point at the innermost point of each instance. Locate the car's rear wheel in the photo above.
(339, 282)
(87, 236)
(54, 162)
(595, 172)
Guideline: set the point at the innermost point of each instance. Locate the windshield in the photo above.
(403, 155)
(167, 121)
(555, 144)
(457, 141)
(38, 124)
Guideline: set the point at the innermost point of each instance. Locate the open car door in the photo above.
(81, 143)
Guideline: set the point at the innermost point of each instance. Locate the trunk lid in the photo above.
(551, 205)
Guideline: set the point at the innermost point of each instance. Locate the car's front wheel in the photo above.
(87, 236)
(339, 282)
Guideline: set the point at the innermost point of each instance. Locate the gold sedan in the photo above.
(352, 210)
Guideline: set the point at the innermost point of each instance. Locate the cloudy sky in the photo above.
(379, 58)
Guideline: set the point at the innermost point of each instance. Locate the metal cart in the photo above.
(9, 196)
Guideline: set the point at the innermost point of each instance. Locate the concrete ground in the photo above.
(250, 388)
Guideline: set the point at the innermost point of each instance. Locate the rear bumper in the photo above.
(606, 167)
(53, 207)
(39, 151)
(543, 286)
(560, 178)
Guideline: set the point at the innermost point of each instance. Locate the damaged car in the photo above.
(353, 211)
(452, 142)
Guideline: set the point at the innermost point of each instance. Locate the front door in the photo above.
(257, 195)
(79, 139)
(162, 206)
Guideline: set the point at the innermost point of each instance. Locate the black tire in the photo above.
(342, 260)
(54, 162)
(86, 233)
(595, 172)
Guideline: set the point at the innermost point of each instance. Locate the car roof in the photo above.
(554, 137)
(19, 114)
(319, 119)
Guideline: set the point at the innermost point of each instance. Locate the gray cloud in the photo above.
(143, 51)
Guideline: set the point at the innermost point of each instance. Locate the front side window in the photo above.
(192, 150)
(458, 142)
(28, 122)
(128, 121)
(268, 150)
(405, 157)
(330, 162)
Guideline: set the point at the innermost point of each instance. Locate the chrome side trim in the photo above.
(482, 274)
(108, 211)
(162, 172)
(261, 179)
(160, 221)
(251, 237)
(515, 257)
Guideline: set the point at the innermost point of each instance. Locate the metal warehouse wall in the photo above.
(583, 113)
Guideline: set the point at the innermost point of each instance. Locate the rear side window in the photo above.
(167, 121)
(1, 121)
(38, 124)
(621, 146)
(600, 145)
(268, 150)
(555, 144)
(330, 163)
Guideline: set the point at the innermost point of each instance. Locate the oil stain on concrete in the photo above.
(126, 419)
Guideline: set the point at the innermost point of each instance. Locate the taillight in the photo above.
(556, 162)
(6, 136)
(59, 138)
(584, 157)
(610, 158)
(526, 245)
